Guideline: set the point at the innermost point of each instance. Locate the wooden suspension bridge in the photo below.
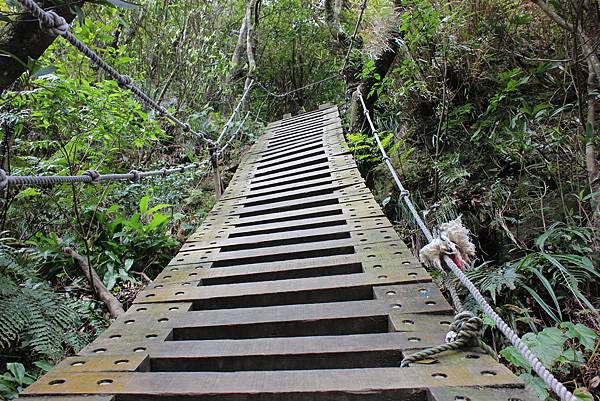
(296, 287)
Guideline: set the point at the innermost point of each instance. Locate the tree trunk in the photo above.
(383, 62)
(252, 15)
(238, 53)
(332, 16)
(24, 39)
(591, 153)
(112, 304)
(214, 162)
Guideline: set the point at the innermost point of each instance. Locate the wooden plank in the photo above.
(308, 223)
(281, 270)
(310, 290)
(290, 252)
(235, 208)
(283, 346)
(378, 311)
(104, 363)
(303, 133)
(313, 179)
(346, 188)
(359, 235)
(361, 210)
(479, 393)
(325, 384)
(133, 338)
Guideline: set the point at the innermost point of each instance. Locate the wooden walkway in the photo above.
(295, 288)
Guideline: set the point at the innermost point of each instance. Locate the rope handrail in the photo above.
(285, 94)
(235, 112)
(536, 364)
(55, 25)
(92, 176)
(363, 7)
(220, 152)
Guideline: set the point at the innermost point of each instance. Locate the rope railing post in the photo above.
(214, 161)
(547, 376)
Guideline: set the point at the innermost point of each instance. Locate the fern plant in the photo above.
(34, 317)
(558, 271)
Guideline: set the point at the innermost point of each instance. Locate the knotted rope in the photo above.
(453, 240)
(465, 330)
(94, 176)
(52, 23)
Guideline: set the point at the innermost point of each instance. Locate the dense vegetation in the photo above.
(487, 108)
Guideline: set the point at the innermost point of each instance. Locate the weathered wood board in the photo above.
(295, 287)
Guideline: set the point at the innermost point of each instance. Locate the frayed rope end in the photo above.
(454, 240)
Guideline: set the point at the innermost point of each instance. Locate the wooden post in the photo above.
(217, 177)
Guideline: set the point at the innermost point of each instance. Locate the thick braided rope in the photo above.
(55, 25)
(458, 306)
(556, 386)
(91, 176)
(466, 330)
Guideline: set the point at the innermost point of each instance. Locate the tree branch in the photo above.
(112, 304)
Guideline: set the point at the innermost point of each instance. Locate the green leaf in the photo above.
(535, 384)
(157, 208)
(17, 370)
(586, 336)
(548, 345)
(541, 302)
(44, 365)
(512, 355)
(583, 395)
(27, 193)
(40, 72)
(572, 357)
(110, 284)
(144, 204)
(157, 220)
